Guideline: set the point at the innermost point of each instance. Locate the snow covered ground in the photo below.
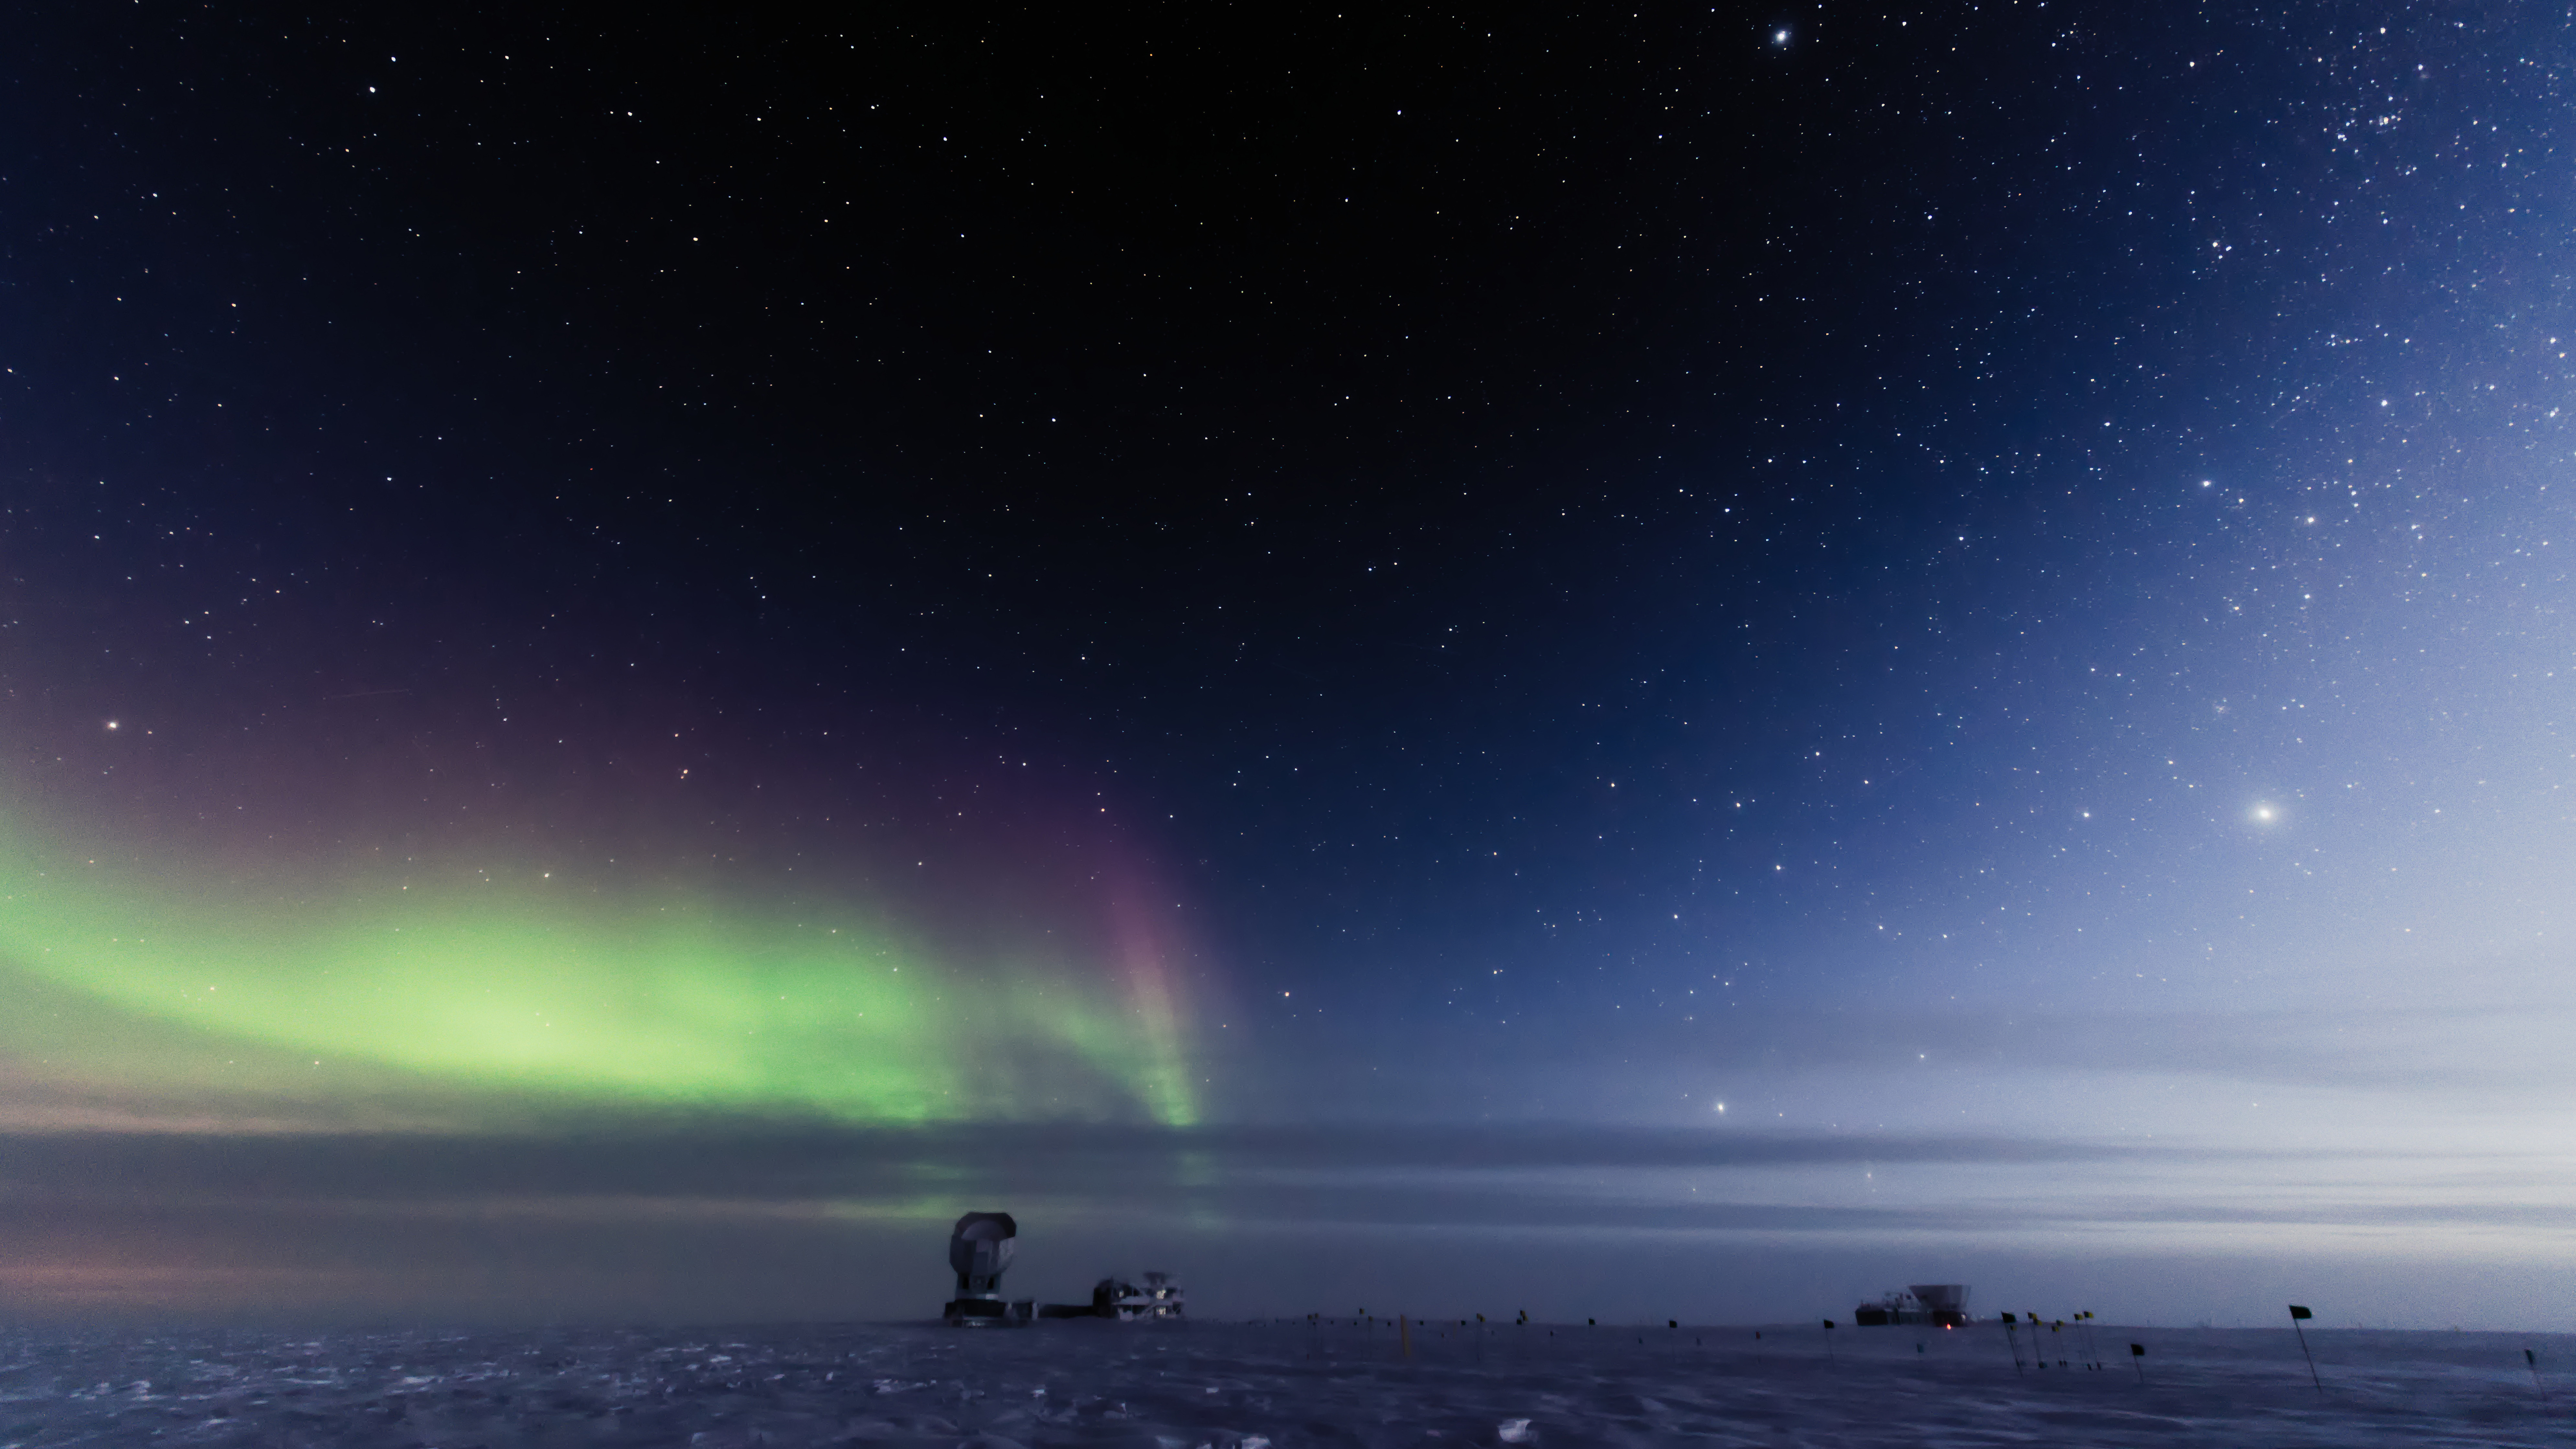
(1246, 1387)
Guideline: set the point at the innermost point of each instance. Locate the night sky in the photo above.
(1665, 662)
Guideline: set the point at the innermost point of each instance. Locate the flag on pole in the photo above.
(2298, 1312)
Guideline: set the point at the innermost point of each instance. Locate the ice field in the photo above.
(1233, 1386)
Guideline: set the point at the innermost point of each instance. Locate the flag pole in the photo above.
(2296, 1314)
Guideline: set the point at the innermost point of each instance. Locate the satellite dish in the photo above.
(979, 1248)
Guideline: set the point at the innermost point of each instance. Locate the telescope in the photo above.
(979, 1248)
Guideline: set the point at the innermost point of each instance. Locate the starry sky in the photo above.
(1672, 662)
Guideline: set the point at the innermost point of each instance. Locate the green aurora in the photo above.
(527, 989)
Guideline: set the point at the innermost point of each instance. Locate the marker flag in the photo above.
(2297, 1313)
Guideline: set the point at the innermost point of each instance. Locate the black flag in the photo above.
(2298, 1312)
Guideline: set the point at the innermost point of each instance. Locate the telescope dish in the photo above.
(979, 1248)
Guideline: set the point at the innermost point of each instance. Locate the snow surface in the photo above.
(1275, 1386)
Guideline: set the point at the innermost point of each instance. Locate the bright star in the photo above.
(1779, 37)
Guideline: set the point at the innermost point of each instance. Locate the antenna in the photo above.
(979, 1248)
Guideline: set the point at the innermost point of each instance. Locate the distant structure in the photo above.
(1159, 1298)
(979, 1248)
(1942, 1305)
(1124, 1302)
